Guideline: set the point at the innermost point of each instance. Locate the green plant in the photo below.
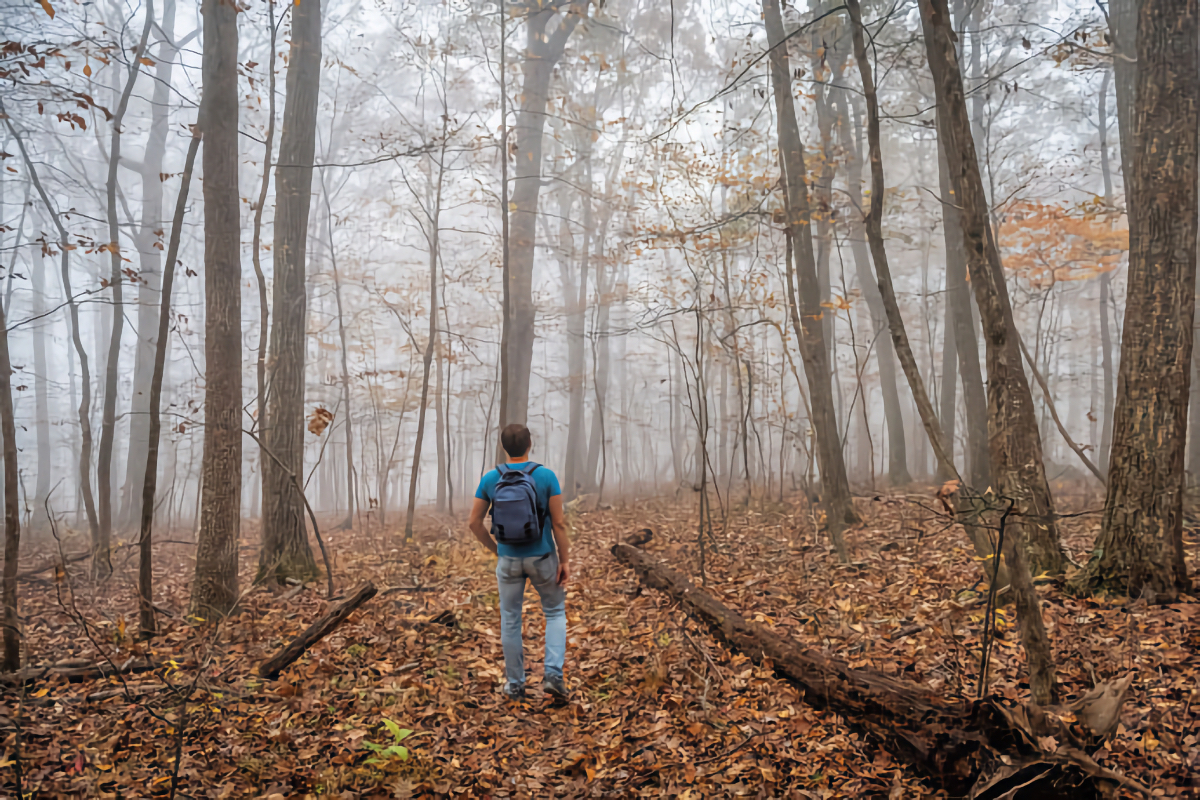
(395, 750)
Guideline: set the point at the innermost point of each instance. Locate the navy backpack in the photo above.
(516, 518)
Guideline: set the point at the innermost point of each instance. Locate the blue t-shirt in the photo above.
(546, 483)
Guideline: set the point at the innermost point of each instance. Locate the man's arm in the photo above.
(559, 521)
(478, 511)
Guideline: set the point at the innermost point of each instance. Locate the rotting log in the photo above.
(76, 671)
(46, 566)
(980, 749)
(314, 633)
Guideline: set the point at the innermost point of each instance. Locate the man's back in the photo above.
(546, 485)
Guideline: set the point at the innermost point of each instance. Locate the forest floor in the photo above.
(658, 707)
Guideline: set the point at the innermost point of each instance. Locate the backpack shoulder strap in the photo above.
(542, 513)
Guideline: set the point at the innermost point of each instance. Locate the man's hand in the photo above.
(475, 523)
(562, 544)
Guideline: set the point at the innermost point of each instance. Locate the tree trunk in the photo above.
(1193, 455)
(12, 509)
(885, 354)
(264, 303)
(1105, 281)
(575, 295)
(1123, 29)
(1014, 444)
(285, 549)
(1122, 21)
(41, 397)
(542, 52)
(1140, 548)
(148, 239)
(1106, 363)
(439, 426)
(147, 622)
(214, 590)
(101, 566)
(447, 396)
(835, 486)
(822, 192)
(674, 420)
(966, 346)
(344, 352)
(601, 352)
(434, 238)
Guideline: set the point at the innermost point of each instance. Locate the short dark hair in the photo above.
(515, 439)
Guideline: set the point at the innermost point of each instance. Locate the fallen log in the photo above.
(75, 671)
(980, 749)
(336, 615)
(46, 566)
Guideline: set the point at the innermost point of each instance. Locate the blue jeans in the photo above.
(542, 572)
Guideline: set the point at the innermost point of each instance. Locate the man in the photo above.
(542, 559)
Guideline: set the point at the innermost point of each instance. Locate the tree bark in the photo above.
(101, 566)
(1140, 548)
(12, 509)
(1014, 443)
(542, 52)
(147, 622)
(285, 549)
(214, 590)
(835, 486)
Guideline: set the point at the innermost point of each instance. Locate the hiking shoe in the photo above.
(514, 692)
(556, 687)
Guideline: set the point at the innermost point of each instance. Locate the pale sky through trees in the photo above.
(689, 117)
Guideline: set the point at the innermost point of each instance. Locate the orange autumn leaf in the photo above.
(1047, 243)
(319, 420)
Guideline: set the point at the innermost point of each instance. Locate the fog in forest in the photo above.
(659, 299)
(274, 276)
